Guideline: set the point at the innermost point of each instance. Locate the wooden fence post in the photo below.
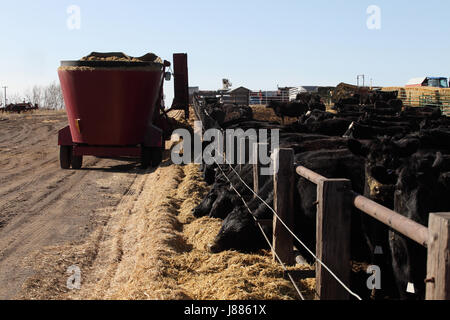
(283, 198)
(258, 180)
(438, 263)
(256, 168)
(333, 238)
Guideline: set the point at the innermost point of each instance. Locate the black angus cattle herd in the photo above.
(395, 155)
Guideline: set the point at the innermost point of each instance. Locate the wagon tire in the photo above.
(65, 155)
(77, 162)
(146, 160)
(156, 156)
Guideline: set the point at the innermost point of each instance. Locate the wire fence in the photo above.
(264, 234)
(332, 209)
(288, 229)
(436, 100)
(295, 236)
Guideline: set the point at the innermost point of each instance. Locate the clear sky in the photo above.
(257, 44)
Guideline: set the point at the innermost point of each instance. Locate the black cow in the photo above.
(423, 187)
(360, 131)
(291, 109)
(383, 157)
(239, 230)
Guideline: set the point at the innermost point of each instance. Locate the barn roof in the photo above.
(416, 81)
(240, 89)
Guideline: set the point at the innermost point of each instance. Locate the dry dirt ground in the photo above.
(129, 232)
(42, 205)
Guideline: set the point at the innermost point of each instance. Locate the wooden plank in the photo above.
(309, 175)
(396, 221)
(256, 174)
(258, 180)
(333, 238)
(284, 184)
(438, 264)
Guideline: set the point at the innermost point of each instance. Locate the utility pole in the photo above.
(5, 95)
(363, 76)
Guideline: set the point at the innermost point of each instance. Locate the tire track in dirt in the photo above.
(43, 206)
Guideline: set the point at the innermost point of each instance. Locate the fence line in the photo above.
(436, 237)
(256, 221)
(264, 234)
(296, 238)
(279, 219)
(332, 217)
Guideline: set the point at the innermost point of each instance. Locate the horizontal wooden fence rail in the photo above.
(394, 220)
(436, 237)
(335, 200)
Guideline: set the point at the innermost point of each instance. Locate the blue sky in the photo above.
(257, 44)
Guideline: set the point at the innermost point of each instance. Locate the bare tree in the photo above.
(28, 95)
(15, 98)
(60, 98)
(37, 96)
(46, 97)
(52, 96)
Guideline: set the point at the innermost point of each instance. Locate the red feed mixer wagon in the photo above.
(114, 107)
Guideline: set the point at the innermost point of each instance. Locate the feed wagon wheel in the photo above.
(77, 162)
(65, 156)
(151, 156)
(156, 156)
(146, 159)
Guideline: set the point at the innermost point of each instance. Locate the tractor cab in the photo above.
(437, 82)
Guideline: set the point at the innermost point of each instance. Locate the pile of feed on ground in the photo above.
(262, 113)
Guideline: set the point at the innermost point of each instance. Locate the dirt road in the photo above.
(42, 205)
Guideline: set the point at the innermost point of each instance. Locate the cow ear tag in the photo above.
(410, 288)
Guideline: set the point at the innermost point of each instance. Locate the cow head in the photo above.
(421, 188)
(383, 158)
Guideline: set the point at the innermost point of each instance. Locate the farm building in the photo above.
(293, 92)
(239, 95)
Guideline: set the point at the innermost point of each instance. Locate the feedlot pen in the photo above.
(335, 200)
